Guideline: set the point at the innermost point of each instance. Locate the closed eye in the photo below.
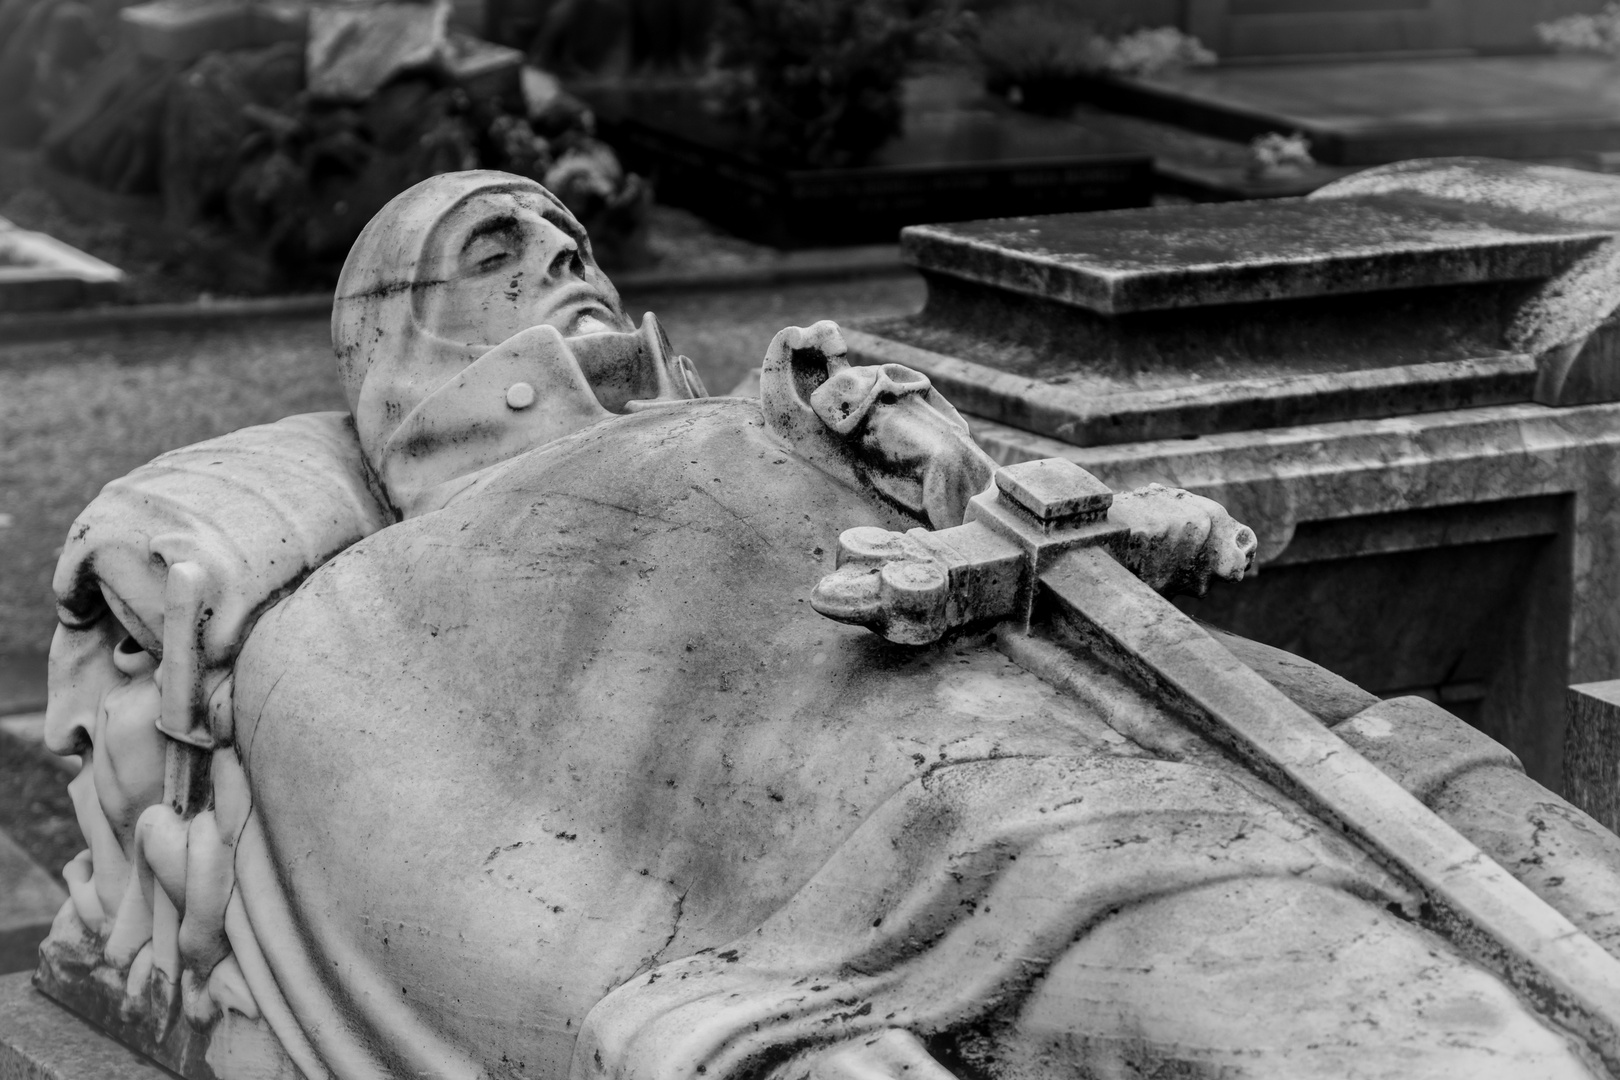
(487, 253)
(492, 244)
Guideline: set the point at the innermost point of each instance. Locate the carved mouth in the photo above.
(581, 309)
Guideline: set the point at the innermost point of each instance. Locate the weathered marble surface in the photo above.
(1394, 424)
(1166, 258)
(1275, 480)
(1592, 774)
(1416, 288)
(39, 1040)
(499, 734)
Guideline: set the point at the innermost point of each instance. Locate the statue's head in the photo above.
(449, 269)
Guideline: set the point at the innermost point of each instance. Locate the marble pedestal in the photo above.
(40, 1040)
(1470, 556)
(1383, 385)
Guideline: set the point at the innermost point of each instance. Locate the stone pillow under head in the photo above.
(252, 513)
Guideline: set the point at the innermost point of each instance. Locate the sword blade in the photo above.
(1483, 909)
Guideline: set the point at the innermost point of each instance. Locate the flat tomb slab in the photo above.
(1376, 111)
(954, 161)
(1156, 258)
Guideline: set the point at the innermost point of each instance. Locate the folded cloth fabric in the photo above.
(248, 515)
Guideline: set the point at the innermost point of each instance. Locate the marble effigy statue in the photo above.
(545, 717)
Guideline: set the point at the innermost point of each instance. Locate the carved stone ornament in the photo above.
(528, 721)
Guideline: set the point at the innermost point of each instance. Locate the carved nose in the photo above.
(564, 250)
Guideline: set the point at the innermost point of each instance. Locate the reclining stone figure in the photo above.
(493, 730)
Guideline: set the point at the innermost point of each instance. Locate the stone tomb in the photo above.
(645, 800)
(1403, 384)
(1365, 112)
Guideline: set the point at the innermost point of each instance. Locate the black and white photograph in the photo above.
(809, 539)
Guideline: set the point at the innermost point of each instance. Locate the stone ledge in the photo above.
(1158, 258)
(1101, 410)
(40, 1040)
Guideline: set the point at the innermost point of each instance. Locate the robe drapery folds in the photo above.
(568, 776)
(174, 563)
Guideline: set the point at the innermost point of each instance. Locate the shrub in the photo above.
(1152, 50)
(1032, 46)
(1040, 52)
(817, 82)
(1275, 155)
(1599, 33)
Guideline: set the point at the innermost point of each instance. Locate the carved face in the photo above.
(504, 261)
(447, 272)
(104, 705)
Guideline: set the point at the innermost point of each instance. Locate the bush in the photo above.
(1599, 33)
(817, 82)
(1033, 46)
(1041, 52)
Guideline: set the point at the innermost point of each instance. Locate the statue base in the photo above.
(41, 1040)
(149, 1018)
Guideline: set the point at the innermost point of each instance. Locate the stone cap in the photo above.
(1054, 490)
(1157, 258)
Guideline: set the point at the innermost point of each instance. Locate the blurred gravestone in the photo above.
(183, 30)
(355, 49)
(39, 272)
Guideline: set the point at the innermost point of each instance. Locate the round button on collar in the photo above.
(519, 396)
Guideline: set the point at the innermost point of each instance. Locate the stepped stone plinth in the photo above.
(1407, 384)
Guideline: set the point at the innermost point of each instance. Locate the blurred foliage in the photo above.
(1033, 44)
(817, 82)
(1039, 51)
(1153, 49)
(1275, 155)
(1598, 33)
(234, 142)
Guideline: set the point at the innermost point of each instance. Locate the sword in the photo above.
(1039, 548)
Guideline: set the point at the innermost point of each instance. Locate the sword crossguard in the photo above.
(914, 587)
